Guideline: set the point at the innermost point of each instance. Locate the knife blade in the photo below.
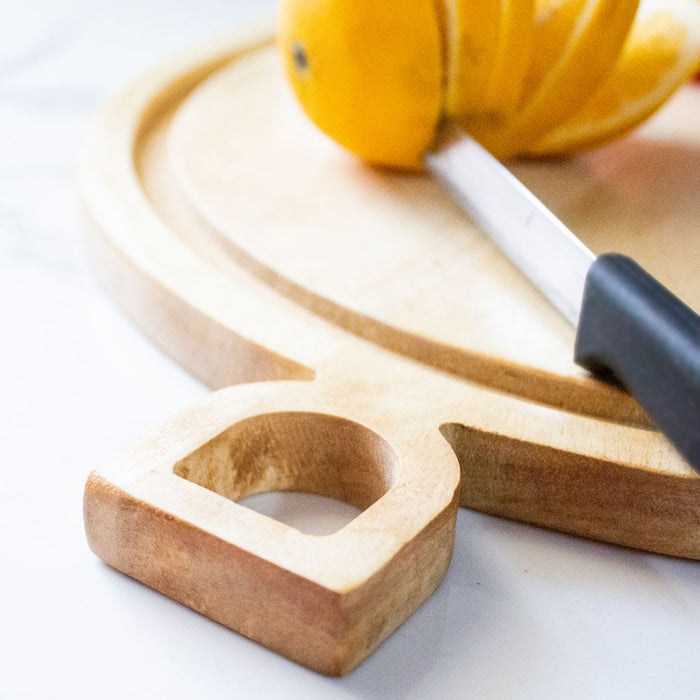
(629, 326)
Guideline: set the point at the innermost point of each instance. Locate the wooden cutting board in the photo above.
(252, 249)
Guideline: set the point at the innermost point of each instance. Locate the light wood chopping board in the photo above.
(251, 248)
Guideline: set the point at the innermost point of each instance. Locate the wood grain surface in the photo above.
(253, 250)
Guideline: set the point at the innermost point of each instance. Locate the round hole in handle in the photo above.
(314, 453)
(309, 513)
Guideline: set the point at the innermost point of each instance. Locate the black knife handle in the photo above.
(632, 327)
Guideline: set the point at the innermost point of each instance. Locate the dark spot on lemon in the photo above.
(301, 59)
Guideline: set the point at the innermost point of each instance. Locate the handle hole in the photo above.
(307, 512)
(332, 458)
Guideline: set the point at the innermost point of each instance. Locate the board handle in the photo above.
(634, 328)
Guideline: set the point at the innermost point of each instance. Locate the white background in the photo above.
(523, 613)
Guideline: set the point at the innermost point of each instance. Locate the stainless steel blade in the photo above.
(544, 250)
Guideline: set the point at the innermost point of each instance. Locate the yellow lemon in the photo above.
(369, 74)
(661, 53)
(523, 76)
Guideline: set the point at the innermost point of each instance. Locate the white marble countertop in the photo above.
(523, 613)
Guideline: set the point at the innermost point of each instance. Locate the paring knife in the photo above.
(629, 326)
